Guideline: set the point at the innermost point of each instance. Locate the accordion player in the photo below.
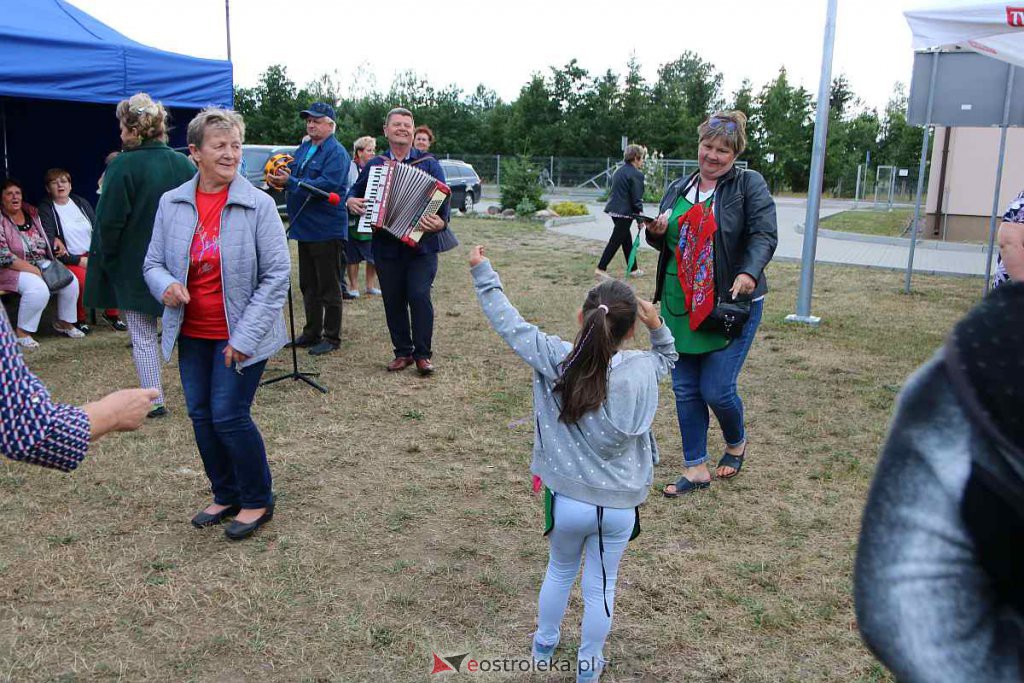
(397, 196)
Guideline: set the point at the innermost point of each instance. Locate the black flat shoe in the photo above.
(159, 411)
(236, 531)
(303, 342)
(205, 519)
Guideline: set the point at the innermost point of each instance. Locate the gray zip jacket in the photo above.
(608, 457)
(255, 265)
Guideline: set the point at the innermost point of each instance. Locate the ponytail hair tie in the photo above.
(603, 308)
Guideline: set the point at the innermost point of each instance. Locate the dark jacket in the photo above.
(627, 195)
(51, 224)
(386, 246)
(132, 187)
(747, 230)
(320, 220)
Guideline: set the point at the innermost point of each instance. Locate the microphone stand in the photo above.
(296, 374)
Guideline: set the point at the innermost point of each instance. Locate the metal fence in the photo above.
(578, 173)
(876, 186)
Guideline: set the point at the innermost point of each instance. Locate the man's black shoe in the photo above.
(302, 342)
(322, 348)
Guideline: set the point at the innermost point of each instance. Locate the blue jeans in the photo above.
(574, 536)
(707, 380)
(218, 400)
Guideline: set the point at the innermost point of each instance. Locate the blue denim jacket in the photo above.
(314, 219)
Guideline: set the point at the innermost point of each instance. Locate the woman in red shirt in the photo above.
(219, 262)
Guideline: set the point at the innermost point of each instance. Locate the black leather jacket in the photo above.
(53, 229)
(627, 195)
(747, 230)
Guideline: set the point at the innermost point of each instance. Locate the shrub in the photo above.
(654, 176)
(570, 209)
(525, 207)
(520, 182)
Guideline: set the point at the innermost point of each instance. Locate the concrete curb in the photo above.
(569, 220)
(897, 241)
(895, 269)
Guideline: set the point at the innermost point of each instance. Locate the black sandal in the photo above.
(733, 461)
(684, 486)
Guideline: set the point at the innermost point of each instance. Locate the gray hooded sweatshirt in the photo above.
(608, 457)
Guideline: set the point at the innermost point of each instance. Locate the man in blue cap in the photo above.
(319, 226)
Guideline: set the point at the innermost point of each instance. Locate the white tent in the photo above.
(989, 28)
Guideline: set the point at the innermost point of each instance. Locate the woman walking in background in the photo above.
(625, 201)
(132, 185)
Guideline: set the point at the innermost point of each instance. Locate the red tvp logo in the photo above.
(1015, 16)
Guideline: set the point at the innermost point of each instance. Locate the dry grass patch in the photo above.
(405, 521)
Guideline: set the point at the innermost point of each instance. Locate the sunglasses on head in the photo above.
(719, 122)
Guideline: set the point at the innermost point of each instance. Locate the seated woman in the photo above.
(68, 220)
(23, 250)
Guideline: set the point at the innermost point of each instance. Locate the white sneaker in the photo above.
(637, 273)
(72, 331)
(373, 291)
(28, 343)
(354, 293)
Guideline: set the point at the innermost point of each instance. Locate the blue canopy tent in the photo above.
(63, 74)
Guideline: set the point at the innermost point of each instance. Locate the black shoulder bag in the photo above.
(729, 315)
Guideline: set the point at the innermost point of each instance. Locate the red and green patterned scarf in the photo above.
(695, 255)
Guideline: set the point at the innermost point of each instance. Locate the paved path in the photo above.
(891, 253)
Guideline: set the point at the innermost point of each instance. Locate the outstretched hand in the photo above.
(476, 256)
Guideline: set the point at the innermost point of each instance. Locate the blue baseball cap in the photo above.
(318, 109)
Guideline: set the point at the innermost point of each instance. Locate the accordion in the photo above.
(397, 196)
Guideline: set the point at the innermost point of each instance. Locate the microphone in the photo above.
(333, 198)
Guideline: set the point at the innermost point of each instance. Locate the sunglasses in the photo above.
(718, 122)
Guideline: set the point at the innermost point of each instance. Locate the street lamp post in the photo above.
(803, 304)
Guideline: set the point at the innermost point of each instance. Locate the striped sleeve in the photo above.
(33, 428)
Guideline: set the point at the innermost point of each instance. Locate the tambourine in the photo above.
(275, 164)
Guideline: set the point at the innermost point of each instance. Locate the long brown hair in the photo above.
(609, 312)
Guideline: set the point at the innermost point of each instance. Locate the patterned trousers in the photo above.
(145, 351)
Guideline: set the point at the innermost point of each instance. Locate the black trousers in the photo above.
(621, 237)
(320, 265)
(405, 283)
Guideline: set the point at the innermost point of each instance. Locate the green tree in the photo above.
(271, 108)
(686, 92)
(783, 119)
(900, 142)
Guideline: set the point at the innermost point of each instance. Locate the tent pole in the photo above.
(999, 178)
(925, 137)
(803, 303)
(227, 24)
(3, 126)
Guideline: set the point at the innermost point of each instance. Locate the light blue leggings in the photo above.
(575, 532)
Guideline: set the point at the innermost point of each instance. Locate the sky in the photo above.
(502, 44)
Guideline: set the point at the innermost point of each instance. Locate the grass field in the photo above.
(870, 222)
(405, 523)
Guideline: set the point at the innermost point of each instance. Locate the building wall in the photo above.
(970, 180)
